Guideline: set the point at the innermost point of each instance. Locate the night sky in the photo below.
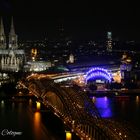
(37, 19)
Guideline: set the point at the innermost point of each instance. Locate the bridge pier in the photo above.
(68, 135)
(94, 133)
(38, 105)
(88, 132)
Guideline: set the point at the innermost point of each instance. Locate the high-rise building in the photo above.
(11, 57)
(109, 41)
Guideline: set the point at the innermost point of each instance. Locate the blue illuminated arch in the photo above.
(97, 72)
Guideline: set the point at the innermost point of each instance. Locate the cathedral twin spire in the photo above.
(2, 36)
(12, 36)
(12, 30)
(1, 27)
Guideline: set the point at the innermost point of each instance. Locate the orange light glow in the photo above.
(38, 105)
(37, 118)
(68, 136)
(117, 77)
(37, 124)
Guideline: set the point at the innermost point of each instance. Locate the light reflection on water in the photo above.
(13, 106)
(119, 107)
(137, 106)
(18, 116)
(37, 120)
(30, 102)
(103, 105)
(37, 124)
(137, 100)
(2, 104)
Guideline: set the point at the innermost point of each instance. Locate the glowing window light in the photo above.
(98, 72)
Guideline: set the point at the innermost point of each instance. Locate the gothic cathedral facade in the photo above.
(11, 57)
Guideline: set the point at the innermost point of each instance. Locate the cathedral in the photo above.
(11, 57)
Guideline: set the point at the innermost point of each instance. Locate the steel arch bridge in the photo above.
(75, 109)
(97, 72)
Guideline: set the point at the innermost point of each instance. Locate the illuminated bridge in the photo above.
(75, 109)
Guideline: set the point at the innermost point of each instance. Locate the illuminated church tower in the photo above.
(2, 36)
(12, 37)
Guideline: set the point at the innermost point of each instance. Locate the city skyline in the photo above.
(80, 20)
(69, 70)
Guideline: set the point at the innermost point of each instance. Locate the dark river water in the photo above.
(123, 108)
(21, 116)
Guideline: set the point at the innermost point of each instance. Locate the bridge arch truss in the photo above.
(74, 107)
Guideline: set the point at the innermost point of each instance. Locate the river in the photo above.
(123, 108)
(21, 116)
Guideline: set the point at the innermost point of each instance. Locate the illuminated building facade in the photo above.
(97, 73)
(98, 78)
(34, 54)
(11, 57)
(109, 41)
(37, 66)
(71, 59)
(126, 67)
